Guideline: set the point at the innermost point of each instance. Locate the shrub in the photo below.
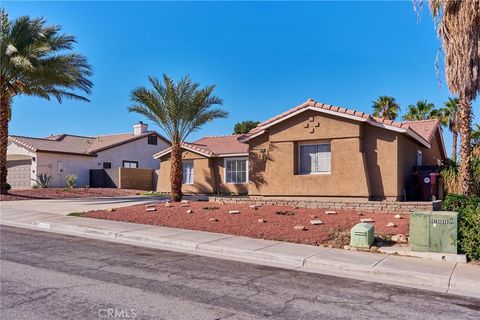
(71, 181)
(8, 186)
(468, 208)
(451, 175)
(43, 180)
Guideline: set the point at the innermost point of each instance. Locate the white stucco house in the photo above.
(65, 154)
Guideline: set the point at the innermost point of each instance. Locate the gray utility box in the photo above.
(361, 235)
(434, 231)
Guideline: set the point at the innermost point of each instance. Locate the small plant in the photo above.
(43, 180)
(71, 181)
(75, 214)
(8, 186)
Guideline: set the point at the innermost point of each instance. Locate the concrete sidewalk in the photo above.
(442, 276)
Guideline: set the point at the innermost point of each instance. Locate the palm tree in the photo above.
(422, 110)
(449, 118)
(36, 60)
(386, 107)
(178, 109)
(458, 25)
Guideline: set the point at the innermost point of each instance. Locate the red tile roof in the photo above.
(424, 129)
(214, 146)
(72, 144)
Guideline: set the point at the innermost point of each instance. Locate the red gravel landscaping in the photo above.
(59, 193)
(334, 231)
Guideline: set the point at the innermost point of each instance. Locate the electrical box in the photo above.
(434, 231)
(361, 235)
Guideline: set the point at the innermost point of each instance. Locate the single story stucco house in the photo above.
(66, 154)
(313, 150)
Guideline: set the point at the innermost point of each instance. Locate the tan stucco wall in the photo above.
(380, 147)
(204, 181)
(208, 176)
(274, 165)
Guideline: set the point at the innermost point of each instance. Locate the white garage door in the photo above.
(19, 175)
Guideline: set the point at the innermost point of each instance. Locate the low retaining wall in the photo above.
(357, 205)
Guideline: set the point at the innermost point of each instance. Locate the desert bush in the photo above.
(43, 180)
(451, 173)
(71, 181)
(468, 208)
(8, 186)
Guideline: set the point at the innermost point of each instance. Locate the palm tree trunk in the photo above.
(4, 118)
(454, 145)
(176, 172)
(465, 121)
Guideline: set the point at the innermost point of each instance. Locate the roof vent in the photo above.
(139, 128)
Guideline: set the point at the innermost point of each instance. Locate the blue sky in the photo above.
(264, 58)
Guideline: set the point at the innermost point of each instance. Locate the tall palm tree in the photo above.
(449, 118)
(36, 60)
(386, 107)
(458, 25)
(422, 110)
(178, 109)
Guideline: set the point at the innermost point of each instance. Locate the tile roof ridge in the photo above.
(28, 137)
(424, 120)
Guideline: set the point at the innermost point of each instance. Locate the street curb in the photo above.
(309, 264)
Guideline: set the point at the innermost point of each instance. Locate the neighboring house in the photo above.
(216, 164)
(313, 150)
(64, 154)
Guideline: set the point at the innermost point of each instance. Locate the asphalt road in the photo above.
(51, 276)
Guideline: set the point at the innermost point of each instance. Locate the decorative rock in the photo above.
(150, 205)
(261, 220)
(373, 249)
(151, 209)
(391, 225)
(234, 211)
(168, 204)
(365, 220)
(300, 228)
(254, 206)
(316, 222)
(110, 209)
(189, 211)
(184, 201)
(213, 219)
(346, 247)
(397, 216)
(313, 216)
(331, 213)
(400, 238)
(360, 213)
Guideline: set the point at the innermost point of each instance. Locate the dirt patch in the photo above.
(262, 222)
(60, 193)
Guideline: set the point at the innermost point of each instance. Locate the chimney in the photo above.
(139, 128)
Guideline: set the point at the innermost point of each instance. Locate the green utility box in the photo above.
(361, 235)
(434, 231)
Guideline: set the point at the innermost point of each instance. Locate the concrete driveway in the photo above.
(66, 206)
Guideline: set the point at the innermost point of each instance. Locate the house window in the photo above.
(314, 158)
(236, 170)
(152, 140)
(107, 165)
(130, 164)
(188, 173)
(419, 158)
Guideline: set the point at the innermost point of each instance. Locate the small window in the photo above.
(107, 165)
(130, 164)
(188, 174)
(314, 158)
(236, 170)
(419, 158)
(152, 140)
